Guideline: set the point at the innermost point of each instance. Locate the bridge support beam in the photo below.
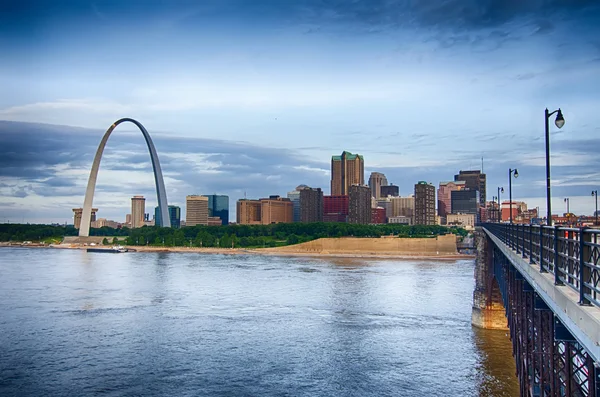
(488, 308)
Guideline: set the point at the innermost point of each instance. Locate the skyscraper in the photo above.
(174, 216)
(138, 211)
(474, 180)
(424, 203)
(376, 181)
(346, 170)
(444, 196)
(218, 205)
(359, 204)
(196, 210)
(311, 205)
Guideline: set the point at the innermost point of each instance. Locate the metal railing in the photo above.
(572, 255)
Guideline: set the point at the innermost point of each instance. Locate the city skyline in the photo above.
(253, 98)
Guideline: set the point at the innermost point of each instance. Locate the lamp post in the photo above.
(595, 194)
(511, 172)
(494, 198)
(559, 122)
(500, 190)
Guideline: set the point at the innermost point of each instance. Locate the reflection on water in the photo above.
(153, 324)
(496, 366)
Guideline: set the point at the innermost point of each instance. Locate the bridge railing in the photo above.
(572, 255)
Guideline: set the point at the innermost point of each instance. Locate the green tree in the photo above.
(105, 241)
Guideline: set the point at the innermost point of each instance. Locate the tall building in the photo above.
(376, 181)
(390, 190)
(335, 208)
(248, 212)
(346, 170)
(311, 205)
(474, 180)
(138, 211)
(444, 196)
(465, 202)
(218, 205)
(424, 203)
(77, 212)
(276, 209)
(294, 197)
(196, 210)
(174, 216)
(359, 204)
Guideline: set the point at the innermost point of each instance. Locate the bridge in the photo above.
(542, 284)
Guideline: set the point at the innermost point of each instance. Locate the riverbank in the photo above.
(275, 252)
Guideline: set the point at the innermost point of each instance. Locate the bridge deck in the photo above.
(582, 321)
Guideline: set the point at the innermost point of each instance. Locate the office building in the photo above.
(401, 220)
(294, 197)
(376, 181)
(359, 204)
(390, 190)
(386, 204)
(465, 202)
(196, 210)
(346, 170)
(138, 211)
(174, 216)
(311, 205)
(77, 212)
(335, 208)
(215, 221)
(444, 197)
(276, 209)
(218, 205)
(474, 180)
(378, 215)
(403, 206)
(248, 212)
(424, 204)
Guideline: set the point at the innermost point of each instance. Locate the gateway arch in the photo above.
(84, 229)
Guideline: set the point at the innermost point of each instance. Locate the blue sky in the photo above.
(253, 97)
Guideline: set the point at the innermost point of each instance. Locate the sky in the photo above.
(251, 98)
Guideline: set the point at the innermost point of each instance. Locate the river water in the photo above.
(75, 323)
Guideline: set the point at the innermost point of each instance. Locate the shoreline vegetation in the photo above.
(305, 240)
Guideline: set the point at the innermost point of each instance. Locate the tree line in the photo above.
(229, 235)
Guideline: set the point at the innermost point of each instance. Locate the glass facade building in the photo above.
(218, 205)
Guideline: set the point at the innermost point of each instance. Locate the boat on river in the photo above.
(115, 249)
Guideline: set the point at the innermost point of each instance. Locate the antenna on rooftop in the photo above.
(482, 164)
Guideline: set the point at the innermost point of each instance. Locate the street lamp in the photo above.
(595, 194)
(500, 190)
(511, 172)
(559, 122)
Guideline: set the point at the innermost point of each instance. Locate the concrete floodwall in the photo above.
(440, 245)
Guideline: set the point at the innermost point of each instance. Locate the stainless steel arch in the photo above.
(84, 229)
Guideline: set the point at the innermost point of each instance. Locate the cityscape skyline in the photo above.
(252, 98)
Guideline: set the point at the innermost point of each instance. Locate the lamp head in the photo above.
(501, 190)
(516, 173)
(560, 120)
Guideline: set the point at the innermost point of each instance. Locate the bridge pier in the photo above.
(488, 307)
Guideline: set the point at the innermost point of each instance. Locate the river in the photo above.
(154, 324)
